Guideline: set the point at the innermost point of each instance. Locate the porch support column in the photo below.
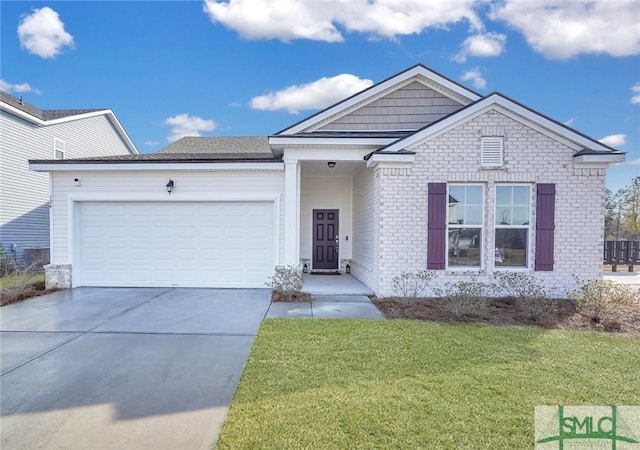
(291, 212)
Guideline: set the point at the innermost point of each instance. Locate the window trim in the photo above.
(57, 141)
(528, 267)
(480, 226)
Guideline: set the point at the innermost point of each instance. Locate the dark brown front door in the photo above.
(325, 239)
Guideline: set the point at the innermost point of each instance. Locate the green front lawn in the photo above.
(398, 384)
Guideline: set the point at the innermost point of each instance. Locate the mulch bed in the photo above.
(35, 290)
(278, 296)
(508, 311)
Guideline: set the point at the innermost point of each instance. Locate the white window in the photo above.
(464, 230)
(58, 148)
(492, 151)
(512, 221)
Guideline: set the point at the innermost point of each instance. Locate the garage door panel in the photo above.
(208, 244)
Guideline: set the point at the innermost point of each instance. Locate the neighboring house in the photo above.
(416, 172)
(27, 132)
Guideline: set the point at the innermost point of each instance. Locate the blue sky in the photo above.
(253, 67)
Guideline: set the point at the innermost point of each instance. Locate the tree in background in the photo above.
(622, 213)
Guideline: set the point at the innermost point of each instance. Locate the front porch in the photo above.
(344, 284)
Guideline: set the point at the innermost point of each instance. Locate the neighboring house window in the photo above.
(464, 217)
(491, 151)
(58, 148)
(512, 219)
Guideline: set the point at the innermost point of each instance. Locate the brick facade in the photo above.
(529, 157)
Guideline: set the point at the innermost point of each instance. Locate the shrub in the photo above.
(412, 284)
(466, 296)
(287, 281)
(600, 300)
(7, 262)
(528, 291)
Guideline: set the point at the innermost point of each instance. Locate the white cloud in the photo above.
(151, 143)
(475, 76)
(287, 20)
(481, 45)
(635, 162)
(635, 98)
(614, 140)
(317, 94)
(185, 125)
(42, 33)
(561, 29)
(18, 88)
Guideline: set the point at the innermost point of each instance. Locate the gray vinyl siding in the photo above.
(408, 108)
(24, 194)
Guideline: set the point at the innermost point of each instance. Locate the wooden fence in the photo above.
(622, 253)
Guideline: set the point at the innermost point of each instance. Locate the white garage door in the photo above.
(189, 244)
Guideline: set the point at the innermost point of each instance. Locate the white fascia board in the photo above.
(613, 158)
(283, 141)
(109, 113)
(323, 154)
(402, 159)
(378, 88)
(505, 106)
(37, 167)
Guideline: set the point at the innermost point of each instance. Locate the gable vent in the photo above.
(492, 152)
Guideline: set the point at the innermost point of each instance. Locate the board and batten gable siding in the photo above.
(325, 192)
(204, 185)
(364, 259)
(530, 157)
(408, 108)
(24, 194)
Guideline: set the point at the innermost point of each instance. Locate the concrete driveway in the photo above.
(123, 367)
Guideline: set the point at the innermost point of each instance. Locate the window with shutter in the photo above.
(492, 152)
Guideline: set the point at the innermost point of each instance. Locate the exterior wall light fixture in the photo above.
(331, 164)
(170, 186)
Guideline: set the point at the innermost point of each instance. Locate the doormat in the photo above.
(325, 273)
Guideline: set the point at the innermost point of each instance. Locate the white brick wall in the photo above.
(530, 157)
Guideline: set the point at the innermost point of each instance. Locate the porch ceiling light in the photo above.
(331, 164)
(170, 186)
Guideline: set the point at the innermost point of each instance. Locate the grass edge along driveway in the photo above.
(326, 384)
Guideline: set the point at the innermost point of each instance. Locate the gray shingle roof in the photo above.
(42, 114)
(219, 145)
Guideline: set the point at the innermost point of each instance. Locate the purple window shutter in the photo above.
(545, 218)
(436, 241)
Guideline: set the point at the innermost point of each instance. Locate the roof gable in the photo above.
(511, 108)
(44, 117)
(437, 96)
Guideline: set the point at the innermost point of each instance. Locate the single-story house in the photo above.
(29, 132)
(416, 172)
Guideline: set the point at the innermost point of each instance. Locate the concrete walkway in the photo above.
(344, 284)
(327, 307)
(124, 368)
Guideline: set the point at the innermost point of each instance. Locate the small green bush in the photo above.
(412, 284)
(600, 300)
(287, 280)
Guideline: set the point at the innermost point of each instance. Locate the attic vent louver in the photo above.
(492, 152)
